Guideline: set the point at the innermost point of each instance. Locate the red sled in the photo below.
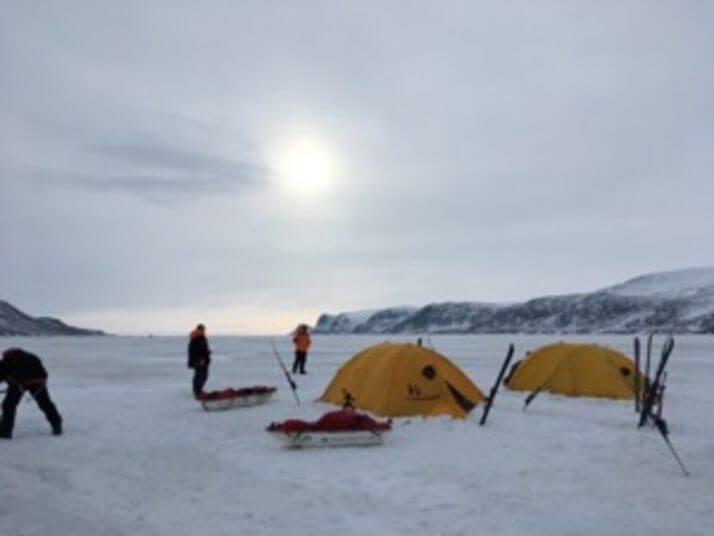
(236, 398)
(342, 428)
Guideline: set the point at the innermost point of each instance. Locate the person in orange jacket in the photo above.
(301, 340)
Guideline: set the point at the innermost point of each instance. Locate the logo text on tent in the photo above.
(414, 393)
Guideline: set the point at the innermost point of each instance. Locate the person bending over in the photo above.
(24, 371)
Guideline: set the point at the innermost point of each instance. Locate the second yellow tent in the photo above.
(576, 370)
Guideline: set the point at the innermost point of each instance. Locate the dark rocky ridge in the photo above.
(15, 322)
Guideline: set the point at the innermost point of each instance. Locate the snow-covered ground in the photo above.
(139, 456)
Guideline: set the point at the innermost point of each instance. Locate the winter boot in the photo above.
(4, 434)
(57, 428)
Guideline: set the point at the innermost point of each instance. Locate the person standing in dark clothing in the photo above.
(199, 357)
(24, 371)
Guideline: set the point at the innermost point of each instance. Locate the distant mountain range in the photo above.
(15, 322)
(678, 302)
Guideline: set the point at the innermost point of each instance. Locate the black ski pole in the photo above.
(292, 384)
(531, 396)
(661, 426)
(663, 430)
(636, 379)
(667, 348)
(494, 389)
(647, 365)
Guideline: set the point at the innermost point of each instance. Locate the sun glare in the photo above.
(306, 168)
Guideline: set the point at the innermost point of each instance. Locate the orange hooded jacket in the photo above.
(302, 340)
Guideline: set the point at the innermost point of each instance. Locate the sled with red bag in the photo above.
(342, 428)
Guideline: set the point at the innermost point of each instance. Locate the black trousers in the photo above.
(12, 399)
(299, 363)
(200, 375)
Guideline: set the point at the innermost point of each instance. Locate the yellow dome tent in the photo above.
(576, 370)
(397, 380)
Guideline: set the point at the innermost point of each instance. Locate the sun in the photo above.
(306, 167)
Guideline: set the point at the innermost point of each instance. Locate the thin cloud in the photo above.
(153, 156)
(154, 185)
(164, 171)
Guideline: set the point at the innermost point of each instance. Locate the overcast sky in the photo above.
(253, 164)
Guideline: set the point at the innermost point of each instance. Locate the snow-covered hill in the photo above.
(677, 284)
(679, 301)
(15, 322)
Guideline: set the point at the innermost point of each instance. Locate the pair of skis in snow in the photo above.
(649, 395)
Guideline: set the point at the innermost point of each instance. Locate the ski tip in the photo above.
(668, 345)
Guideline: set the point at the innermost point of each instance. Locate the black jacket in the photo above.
(21, 367)
(198, 350)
